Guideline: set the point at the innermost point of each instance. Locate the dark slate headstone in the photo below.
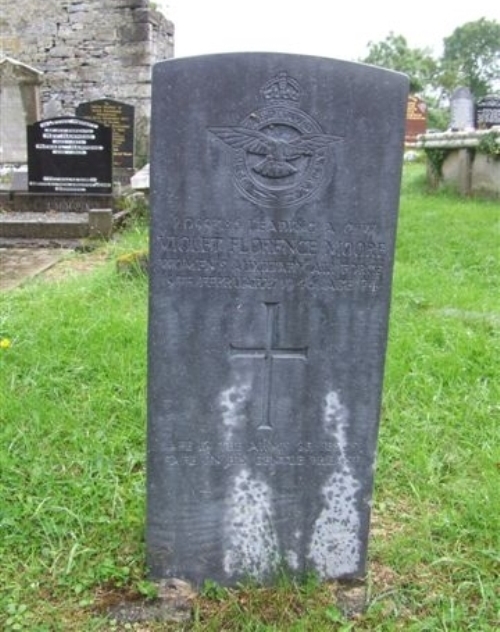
(275, 188)
(120, 117)
(488, 111)
(69, 155)
(462, 109)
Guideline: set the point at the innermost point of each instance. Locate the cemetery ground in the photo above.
(72, 458)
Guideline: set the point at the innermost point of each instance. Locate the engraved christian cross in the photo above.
(269, 353)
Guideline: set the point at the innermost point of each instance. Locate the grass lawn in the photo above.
(72, 444)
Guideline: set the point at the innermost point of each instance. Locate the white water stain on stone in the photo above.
(231, 402)
(250, 540)
(292, 560)
(335, 546)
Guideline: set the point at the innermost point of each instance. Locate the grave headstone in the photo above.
(120, 117)
(19, 107)
(416, 118)
(53, 108)
(275, 187)
(488, 111)
(69, 155)
(462, 109)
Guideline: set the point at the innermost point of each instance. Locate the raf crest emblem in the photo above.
(281, 154)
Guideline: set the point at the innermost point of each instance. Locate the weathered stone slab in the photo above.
(19, 107)
(19, 264)
(275, 187)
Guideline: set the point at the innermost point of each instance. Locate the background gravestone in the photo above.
(462, 109)
(69, 155)
(90, 49)
(416, 118)
(120, 117)
(19, 107)
(488, 111)
(275, 187)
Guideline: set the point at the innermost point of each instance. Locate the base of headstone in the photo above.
(352, 597)
(97, 223)
(46, 202)
(175, 600)
(174, 604)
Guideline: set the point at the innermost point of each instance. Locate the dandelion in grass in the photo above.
(5, 343)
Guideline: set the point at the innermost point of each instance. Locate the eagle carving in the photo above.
(279, 154)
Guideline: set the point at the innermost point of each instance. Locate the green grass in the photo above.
(438, 481)
(72, 445)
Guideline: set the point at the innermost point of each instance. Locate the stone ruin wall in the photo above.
(89, 50)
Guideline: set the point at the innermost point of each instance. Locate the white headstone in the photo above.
(19, 107)
(462, 110)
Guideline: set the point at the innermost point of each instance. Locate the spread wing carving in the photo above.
(251, 140)
(279, 153)
(308, 144)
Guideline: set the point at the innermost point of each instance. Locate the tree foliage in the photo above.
(395, 54)
(472, 56)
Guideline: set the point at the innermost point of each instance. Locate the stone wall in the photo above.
(89, 49)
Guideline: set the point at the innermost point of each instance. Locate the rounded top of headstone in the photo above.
(461, 93)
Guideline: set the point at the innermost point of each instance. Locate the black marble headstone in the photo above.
(275, 188)
(69, 155)
(120, 117)
(488, 111)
